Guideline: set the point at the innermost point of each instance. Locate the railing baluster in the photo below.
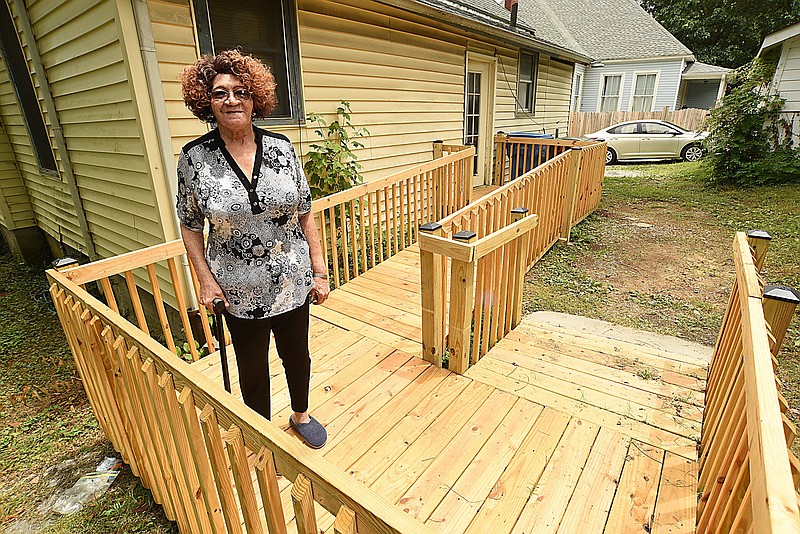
(197, 449)
(108, 293)
(303, 502)
(270, 494)
(362, 225)
(237, 455)
(135, 301)
(345, 522)
(187, 327)
(162, 314)
(345, 252)
(334, 245)
(222, 479)
(204, 314)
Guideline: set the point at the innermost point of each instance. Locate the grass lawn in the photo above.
(656, 255)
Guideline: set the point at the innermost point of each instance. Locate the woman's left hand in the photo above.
(320, 291)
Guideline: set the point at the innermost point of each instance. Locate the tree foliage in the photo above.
(331, 164)
(727, 33)
(745, 146)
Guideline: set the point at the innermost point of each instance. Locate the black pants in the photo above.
(250, 339)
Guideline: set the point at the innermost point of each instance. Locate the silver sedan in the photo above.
(650, 139)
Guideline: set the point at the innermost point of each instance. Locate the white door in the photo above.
(479, 108)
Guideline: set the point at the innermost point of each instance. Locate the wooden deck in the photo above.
(555, 430)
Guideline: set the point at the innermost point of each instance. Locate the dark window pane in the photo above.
(23, 85)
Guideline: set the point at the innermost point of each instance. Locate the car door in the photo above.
(624, 139)
(658, 140)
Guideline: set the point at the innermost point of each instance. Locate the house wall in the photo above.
(85, 64)
(666, 92)
(787, 75)
(15, 206)
(700, 94)
(402, 74)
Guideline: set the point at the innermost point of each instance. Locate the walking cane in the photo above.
(219, 306)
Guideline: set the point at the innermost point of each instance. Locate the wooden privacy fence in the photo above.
(366, 224)
(586, 122)
(514, 156)
(188, 440)
(748, 474)
(489, 248)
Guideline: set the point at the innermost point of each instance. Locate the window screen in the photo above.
(609, 98)
(526, 82)
(644, 90)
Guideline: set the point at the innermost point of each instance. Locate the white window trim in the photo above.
(603, 76)
(655, 87)
(577, 89)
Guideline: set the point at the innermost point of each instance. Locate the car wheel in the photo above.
(692, 153)
(611, 156)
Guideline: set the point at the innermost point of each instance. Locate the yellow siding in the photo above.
(403, 75)
(82, 55)
(15, 208)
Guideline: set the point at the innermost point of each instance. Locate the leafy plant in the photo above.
(185, 351)
(331, 164)
(745, 146)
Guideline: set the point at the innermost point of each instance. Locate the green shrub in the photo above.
(331, 165)
(745, 146)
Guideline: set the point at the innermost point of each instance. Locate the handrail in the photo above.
(746, 467)
(147, 401)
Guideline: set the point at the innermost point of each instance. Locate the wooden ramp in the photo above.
(555, 430)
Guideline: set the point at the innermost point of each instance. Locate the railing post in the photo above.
(499, 158)
(521, 247)
(779, 304)
(759, 242)
(438, 152)
(571, 192)
(462, 299)
(432, 290)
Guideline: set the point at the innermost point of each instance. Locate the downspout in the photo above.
(55, 124)
(147, 47)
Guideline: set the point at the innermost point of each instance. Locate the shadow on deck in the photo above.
(555, 429)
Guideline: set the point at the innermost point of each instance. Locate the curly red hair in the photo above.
(197, 80)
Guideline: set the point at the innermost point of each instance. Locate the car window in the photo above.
(657, 128)
(623, 129)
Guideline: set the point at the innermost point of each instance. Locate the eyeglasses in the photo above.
(221, 95)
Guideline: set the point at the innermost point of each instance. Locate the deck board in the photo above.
(554, 430)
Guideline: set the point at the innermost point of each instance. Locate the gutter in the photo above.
(419, 7)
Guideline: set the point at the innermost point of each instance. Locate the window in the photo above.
(624, 129)
(576, 92)
(644, 92)
(654, 128)
(610, 93)
(264, 28)
(526, 82)
(26, 96)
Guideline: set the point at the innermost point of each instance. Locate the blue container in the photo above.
(531, 152)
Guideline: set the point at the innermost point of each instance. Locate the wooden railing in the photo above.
(187, 439)
(748, 474)
(485, 290)
(364, 225)
(515, 156)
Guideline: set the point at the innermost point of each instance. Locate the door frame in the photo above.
(486, 116)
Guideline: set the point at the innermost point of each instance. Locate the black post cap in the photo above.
(430, 226)
(63, 263)
(758, 234)
(439, 141)
(783, 293)
(464, 235)
(519, 209)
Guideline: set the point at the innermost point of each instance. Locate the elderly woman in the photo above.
(263, 256)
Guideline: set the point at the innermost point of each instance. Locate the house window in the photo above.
(610, 94)
(644, 92)
(26, 95)
(576, 92)
(267, 29)
(526, 82)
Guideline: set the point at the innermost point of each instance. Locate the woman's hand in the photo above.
(320, 291)
(209, 291)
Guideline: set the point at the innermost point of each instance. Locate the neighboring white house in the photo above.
(638, 65)
(786, 81)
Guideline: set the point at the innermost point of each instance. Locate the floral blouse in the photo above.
(256, 248)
